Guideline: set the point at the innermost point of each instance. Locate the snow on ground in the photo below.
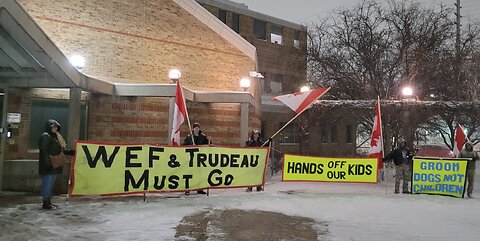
(351, 211)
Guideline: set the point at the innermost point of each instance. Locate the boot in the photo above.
(51, 204)
(259, 188)
(249, 189)
(47, 205)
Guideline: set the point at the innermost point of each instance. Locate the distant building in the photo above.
(281, 57)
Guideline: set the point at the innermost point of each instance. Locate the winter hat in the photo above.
(196, 125)
(468, 143)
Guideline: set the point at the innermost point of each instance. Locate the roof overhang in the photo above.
(29, 58)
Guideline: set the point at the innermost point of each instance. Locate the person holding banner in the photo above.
(254, 141)
(198, 139)
(401, 157)
(469, 153)
(51, 143)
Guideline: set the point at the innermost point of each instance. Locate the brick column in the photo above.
(74, 116)
(243, 123)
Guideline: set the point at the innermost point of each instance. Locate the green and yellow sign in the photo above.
(329, 169)
(109, 169)
(439, 176)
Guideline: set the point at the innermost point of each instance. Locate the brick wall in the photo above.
(139, 41)
(144, 120)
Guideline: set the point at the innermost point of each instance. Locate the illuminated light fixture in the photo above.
(174, 75)
(304, 88)
(245, 84)
(407, 91)
(77, 60)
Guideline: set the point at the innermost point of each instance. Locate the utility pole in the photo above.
(458, 39)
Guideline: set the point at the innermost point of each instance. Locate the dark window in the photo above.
(277, 34)
(323, 135)
(259, 29)
(296, 41)
(333, 134)
(349, 134)
(289, 134)
(44, 109)
(236, 22)
(222, 15)
(276, 86)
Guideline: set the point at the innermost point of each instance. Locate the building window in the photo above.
(259, 29)
(276, 83)
(323, 135)
(276, 36)
(333, 134)
(236, 22)
(349, 134)
(289, 134)
(222, 15)
(44, 109)
(296, 41)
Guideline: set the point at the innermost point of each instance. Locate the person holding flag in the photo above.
(467, 152)
(196, 138)
(179, 115)
(472, 156)
(401, 157)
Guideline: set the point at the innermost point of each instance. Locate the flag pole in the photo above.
(383, 143)
(186, 113)
(381, 127)
(283, 127)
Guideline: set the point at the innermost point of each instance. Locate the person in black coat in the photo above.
(401, 157)
(253, 141)
(50, 143)
(198, 139)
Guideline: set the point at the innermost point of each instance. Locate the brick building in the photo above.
(281, 52)
(123, 93)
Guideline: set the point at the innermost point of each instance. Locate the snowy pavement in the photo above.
(351, 212)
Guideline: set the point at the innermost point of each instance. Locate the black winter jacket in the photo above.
(201, 139)
(48, 145)
(397, 156)
(252, 142)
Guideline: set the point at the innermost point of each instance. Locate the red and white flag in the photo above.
(376, 141)
(300, 101)
(460, 139)
(179, 115)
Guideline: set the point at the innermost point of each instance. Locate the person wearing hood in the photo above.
(50, 143)
(472, 156)
(401, 157)
(255, 141)
(198, 139)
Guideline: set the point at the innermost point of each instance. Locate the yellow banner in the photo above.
(108, 169)
(437, 176)
(328, 169)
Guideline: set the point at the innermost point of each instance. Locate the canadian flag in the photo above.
(179, 115)
(376, 141)
(299, 101)
(460, 139)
